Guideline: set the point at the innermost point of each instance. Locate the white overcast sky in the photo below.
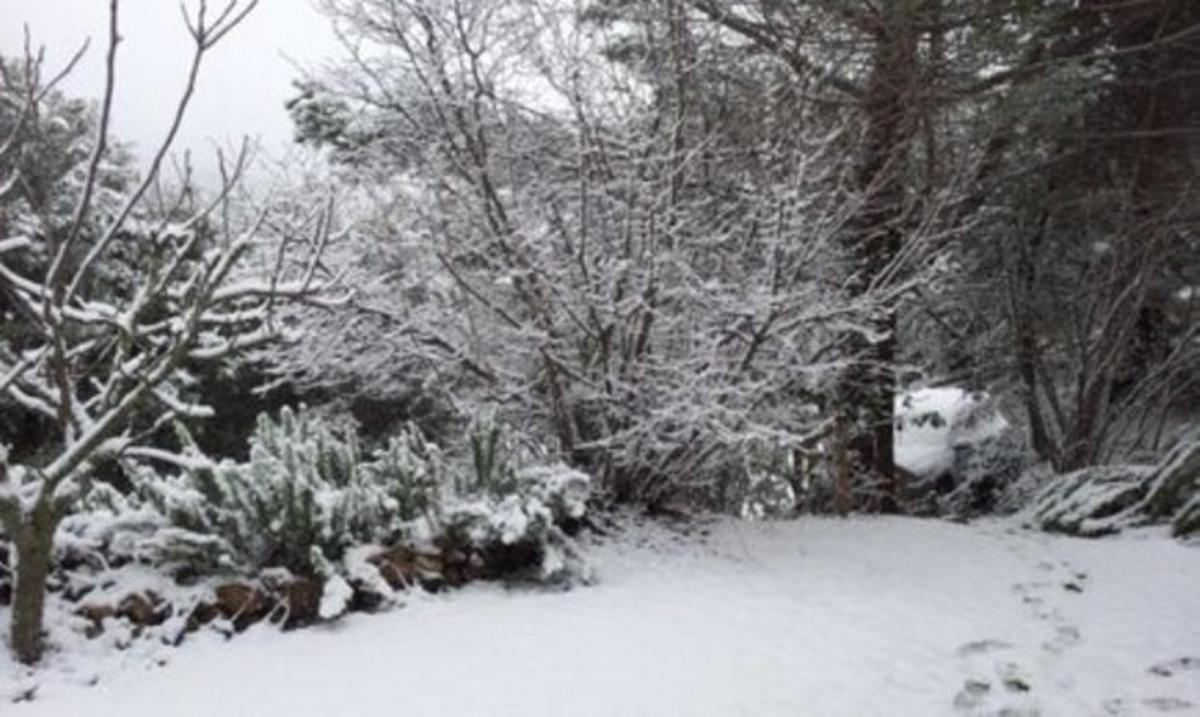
(242, 88)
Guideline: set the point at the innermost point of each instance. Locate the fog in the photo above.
(243, 86)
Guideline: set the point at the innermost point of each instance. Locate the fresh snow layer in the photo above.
(931, 421)
(813, 617)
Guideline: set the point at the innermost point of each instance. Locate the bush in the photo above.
(515, 515)
(307, 489)
(1107, 499)
(985, 471)
(308, 494)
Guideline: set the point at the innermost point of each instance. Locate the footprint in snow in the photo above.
(1118, 707)
(1171, 667)
(1167, 704)
(26, 694)
(975, 692)
(1076, 583)
(981, 647)
(972, 695)
(1012, 677)
(1065, 636)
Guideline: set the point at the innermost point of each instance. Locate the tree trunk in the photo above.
(33, 544)
(867, 394)
(1022, 287)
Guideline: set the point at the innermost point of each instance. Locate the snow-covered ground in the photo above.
(813, 617)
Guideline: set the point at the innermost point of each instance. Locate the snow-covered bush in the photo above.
(492, 470)
(961, 452)
(985, 470)
(514, 512)
(1107, 499)
(307, 485)
(309, 493)
(524, 531)
(1087, 502)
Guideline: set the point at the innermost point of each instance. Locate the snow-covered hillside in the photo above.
(812, 617)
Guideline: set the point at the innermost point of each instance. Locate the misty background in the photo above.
(243, 85)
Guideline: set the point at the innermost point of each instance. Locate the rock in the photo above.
(402, 568)
(201, 615)
(302, 598)
(462, 567)
(366, 599)
(96, 615)
(144, 609)
(244, 604)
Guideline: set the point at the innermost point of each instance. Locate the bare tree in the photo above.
(659, 290)
(94, 360)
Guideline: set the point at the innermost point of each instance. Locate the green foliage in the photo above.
(307, 485)
(492, 461)
(412, 470)
(308, 493)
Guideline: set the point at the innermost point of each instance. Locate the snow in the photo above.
(869, 616)
(933, 420)
(335, 597)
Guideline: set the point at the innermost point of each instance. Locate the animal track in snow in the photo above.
(1172, 667)
(981, 647)
(1065, 636)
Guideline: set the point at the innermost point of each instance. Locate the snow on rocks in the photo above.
(817, 616)
(1106, 499)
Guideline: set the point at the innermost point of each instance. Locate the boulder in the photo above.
(243, 604)
(403, 567)
(300, 598)
(144, 609)
(95, 615)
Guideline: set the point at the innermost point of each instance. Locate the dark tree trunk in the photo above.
(33, 543)
(868, 389)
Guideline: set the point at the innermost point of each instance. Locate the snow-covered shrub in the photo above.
(309, 494)
(306, 489)
(1087, 501)
(526, 527)
(1187, 521)
(412, 472)
(985, 469)
(772, 483)
(960, 451)
(492, 469)
(1101, 500)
